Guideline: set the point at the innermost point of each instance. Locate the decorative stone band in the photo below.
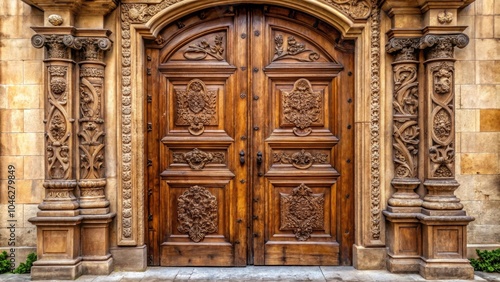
(59, 195)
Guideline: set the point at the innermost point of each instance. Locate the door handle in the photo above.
(259, 158)
(242, 157)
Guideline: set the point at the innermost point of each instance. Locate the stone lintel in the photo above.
(426, 5)
(444, 30)
(130, 258)
(404, 32)
(369, 258)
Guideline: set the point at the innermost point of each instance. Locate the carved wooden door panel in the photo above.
(249, 140)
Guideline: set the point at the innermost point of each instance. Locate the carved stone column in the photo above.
(58, 221)
(403, 228)
(444, 223)
(91, 136)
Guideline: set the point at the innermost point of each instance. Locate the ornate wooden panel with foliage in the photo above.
(250, 152)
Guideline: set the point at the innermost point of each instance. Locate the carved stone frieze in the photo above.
(197, 159)
(197, 213)
(442, 46)
(196, 107)
(200, 51)
(302, 107)
(301, 159)
(293, 49)
(302, 211)
(375, 196)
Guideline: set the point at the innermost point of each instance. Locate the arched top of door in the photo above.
(347, 16)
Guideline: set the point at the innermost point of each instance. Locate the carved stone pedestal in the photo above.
(95, 244)
(444, 247)
(58, 243)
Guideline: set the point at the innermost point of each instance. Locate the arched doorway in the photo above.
(249, 140)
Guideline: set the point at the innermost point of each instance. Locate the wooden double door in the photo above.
(249, 140)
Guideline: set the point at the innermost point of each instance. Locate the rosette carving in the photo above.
(302, 211)
(197, 159)
(302, 107)
(196, 106)
(197, 213)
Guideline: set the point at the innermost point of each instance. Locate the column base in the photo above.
(442, 269)
(97, 267)
(369, 258)
(403, 264)
(55, 271)
(130, 258)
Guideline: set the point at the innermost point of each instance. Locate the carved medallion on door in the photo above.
(249, 142)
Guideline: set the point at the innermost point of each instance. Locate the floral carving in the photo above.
(293, 49)
(54, 45)
(197, 159)
(405, 90)
(442, 160)
(302, 107)
(406, 133)
(302, 211)
(442, 80)
(200, 51)
(300, 160)
(405, 49)
(197, 213)
(375, 198)
(196, 106)
(445, 17)
(356, 9)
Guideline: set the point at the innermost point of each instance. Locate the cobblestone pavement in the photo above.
(254, 273)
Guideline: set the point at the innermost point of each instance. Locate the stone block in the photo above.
(25, 96)
(12, 8)
(497, 26)
(30, 191)
(21, 144)
(484, 27)
(33, 120)
(469, 22)
(480, 96)
(11, 120)
(465, 72)
(479, 163)
(369, 258)
(13, 214)
(16, 161)
(3, 96)
(485, 211)
(33, 71)
(483, 234)
(487, 49)
(130, 258)
(467, 53)
(60, 272)
(478, 187)
(485, 7)
(24, 236)
(34, 167)
(15, 27)
(11, 72)
(488, 72)
(21, 253)
(469, 10)
(466, 121)
(471, 249)
(480, 142)
(490, 121)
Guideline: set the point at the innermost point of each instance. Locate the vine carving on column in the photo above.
(442, 152)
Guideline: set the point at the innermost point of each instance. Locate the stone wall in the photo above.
(478, 122)
(21, 124)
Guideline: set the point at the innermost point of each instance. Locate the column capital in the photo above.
(92, 47)
(441, 46)
(404, 49)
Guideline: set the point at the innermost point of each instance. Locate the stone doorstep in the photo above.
(255, 273)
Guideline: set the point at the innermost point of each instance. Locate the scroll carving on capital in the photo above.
(442, 46)
(405, 49)
(92, 48)
(54, 44)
